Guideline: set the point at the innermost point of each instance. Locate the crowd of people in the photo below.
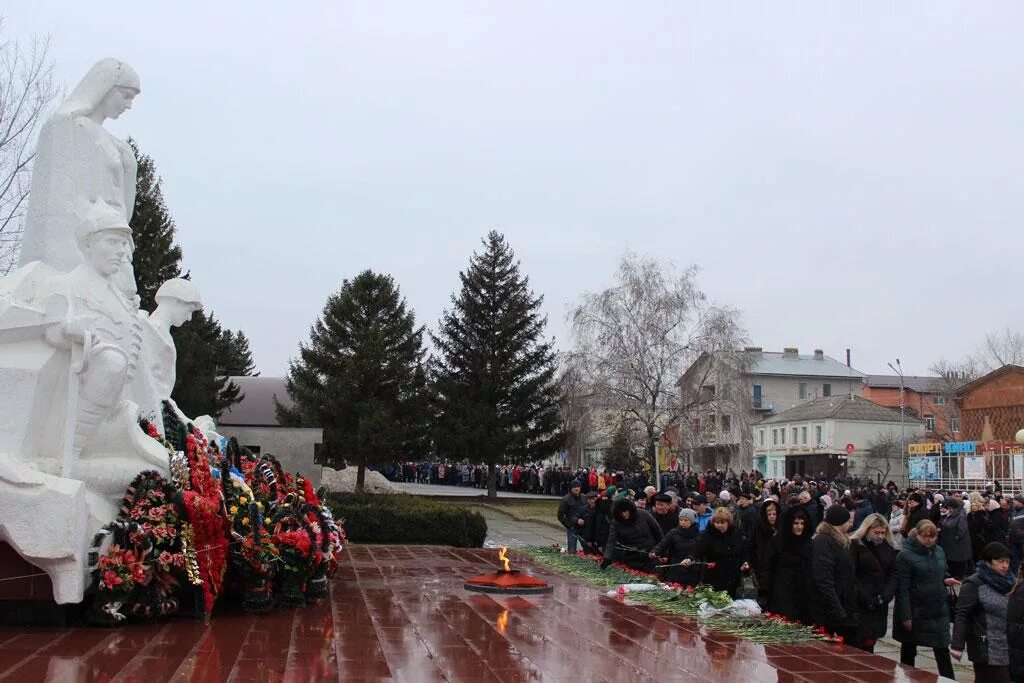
(834, 554)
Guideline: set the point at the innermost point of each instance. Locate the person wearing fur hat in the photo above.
(663, 514)
(678, 545)
(832, 596)
(632, 536)
(783, 574)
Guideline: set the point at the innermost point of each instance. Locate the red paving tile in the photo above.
(401, 614)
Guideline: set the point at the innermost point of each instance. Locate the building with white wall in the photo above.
(834, 435)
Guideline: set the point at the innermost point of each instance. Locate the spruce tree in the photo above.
(207, 357)
(496, 396)
(362, 378)
(157, 257)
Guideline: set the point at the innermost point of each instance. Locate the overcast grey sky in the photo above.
(846, 174)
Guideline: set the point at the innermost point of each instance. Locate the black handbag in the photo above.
(952, 594)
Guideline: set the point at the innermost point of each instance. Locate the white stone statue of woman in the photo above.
(78, 162)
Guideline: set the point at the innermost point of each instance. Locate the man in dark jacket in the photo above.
(833, 600)
(663, 514)
(633, 535)
(863, 508)
(955, 538)
(570, 514)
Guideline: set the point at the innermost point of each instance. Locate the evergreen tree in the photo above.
(207, 357)
(621, 456)
(494, 377)
(157, 257)
(362, 377)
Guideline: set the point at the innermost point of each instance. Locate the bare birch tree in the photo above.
(27, 90)
(634, 340)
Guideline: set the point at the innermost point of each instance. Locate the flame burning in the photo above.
(502, 622)
(504, 558)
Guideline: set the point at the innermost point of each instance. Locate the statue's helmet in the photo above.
(181, 289)
(100, 217)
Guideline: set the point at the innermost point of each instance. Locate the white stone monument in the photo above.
(76, 354)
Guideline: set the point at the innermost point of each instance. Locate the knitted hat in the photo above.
(575, 484)
(610, 492)
(993, 505)
(650, 490)
(689, 514)
(837, 515)
(725, 496)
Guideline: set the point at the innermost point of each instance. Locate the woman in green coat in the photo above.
(921, 614)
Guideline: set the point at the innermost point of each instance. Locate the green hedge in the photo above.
(401, 518)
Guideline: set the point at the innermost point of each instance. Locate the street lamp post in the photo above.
(903, 433)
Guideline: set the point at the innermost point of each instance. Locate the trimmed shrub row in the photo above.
(401, 518)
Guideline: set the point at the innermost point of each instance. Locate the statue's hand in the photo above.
(76, 328)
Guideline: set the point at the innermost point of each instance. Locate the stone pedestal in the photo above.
(26, 594)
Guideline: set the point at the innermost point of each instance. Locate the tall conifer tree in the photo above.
(494, 375)
(157, 257)
(362, 378)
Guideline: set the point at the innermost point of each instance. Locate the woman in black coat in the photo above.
(874, 568)
(784, 575)
(721, 547)
(764, 531)
(833, 598)
(633, 535)
(914, 512)
(678, 545)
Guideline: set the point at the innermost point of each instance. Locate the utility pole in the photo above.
(903, 433)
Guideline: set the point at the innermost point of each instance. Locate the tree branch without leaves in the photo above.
(27, 90)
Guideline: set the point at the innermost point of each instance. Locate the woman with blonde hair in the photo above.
(874, 578)
(721, 547)
(921, 614)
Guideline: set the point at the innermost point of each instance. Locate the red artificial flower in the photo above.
(111, 579)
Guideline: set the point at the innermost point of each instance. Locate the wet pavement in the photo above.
(503, 529)
(401, 614)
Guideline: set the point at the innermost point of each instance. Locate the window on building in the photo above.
(939, 399)
(757, 395)
(803, 435)
(794, 436)
(760, 435)
(818, 441)
(782, 435)
(826, 390)
(802, 390)
(726, 424)
(709, 391)
(929, 423)
(775, 437)
(954, 424)
(711, 424)
(695, 426)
